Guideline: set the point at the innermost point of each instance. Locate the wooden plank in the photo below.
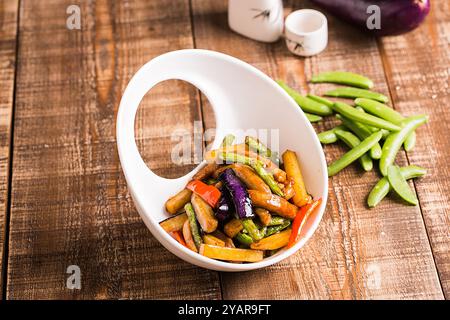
(8, 40)
(70, 204)
(417, 68)
(356, 253)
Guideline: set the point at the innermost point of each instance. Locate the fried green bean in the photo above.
(252, 229)
(382, 188)
(305, 103)
(193, 225)
(364, 118)
(356, 93)
(395, 140)
(274, 229)
(258, 146)
(228, 140)
(354, 154)
(267, 178)
(244, 239)
(400, 185)
(341, 77)
(352, 141)
(277, 220)
(234, 157)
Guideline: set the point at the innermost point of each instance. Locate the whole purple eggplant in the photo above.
(396, 16)
(239, 195)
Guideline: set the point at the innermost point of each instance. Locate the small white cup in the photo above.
(260, 20)
(306, 32)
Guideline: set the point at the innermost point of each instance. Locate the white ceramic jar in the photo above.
(261, 20)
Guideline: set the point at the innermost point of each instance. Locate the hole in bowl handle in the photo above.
(138, 175)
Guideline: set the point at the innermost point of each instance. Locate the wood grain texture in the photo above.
(356, 253)
(70, 204)
(419, 83)
(8, 44)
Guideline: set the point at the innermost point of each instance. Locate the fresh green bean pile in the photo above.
(371, 129)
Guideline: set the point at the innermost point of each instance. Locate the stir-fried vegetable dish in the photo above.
(243, 205)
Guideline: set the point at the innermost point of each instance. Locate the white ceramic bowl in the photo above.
(242, 98)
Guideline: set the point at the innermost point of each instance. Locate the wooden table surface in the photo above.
(64, 200)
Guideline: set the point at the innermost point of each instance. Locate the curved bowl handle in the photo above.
(149, 190)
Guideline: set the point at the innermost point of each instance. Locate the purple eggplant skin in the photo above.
(397, 16)
(225, 208)
(238, 193)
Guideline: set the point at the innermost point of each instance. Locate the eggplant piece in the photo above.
(396, 17)
(239, 195)
(224, 206)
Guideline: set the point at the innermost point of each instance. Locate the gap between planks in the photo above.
(4, 258)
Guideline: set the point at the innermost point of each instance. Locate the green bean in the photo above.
(228, 140)
(347, 78)
(252, 229)
(244, 239)
(410, 142)
(356, 93)
(400, 186)
(275, 229)
(259, 147)
(275, 158)
(375, 152)
(354, 154)
(257, 166)
(239, 158)
(312, 117)
(382, 188)
(329, 136)
(374, 129)
(267, 178)
(321, 100)
(364, 118)
(396, 139)
(352, 141)
(380, 110)
(383, 111)
(362, 132)
(272, 252)
(356, 127)
(211, 181)
(305, 103)
(193, 225)
(277, 220)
